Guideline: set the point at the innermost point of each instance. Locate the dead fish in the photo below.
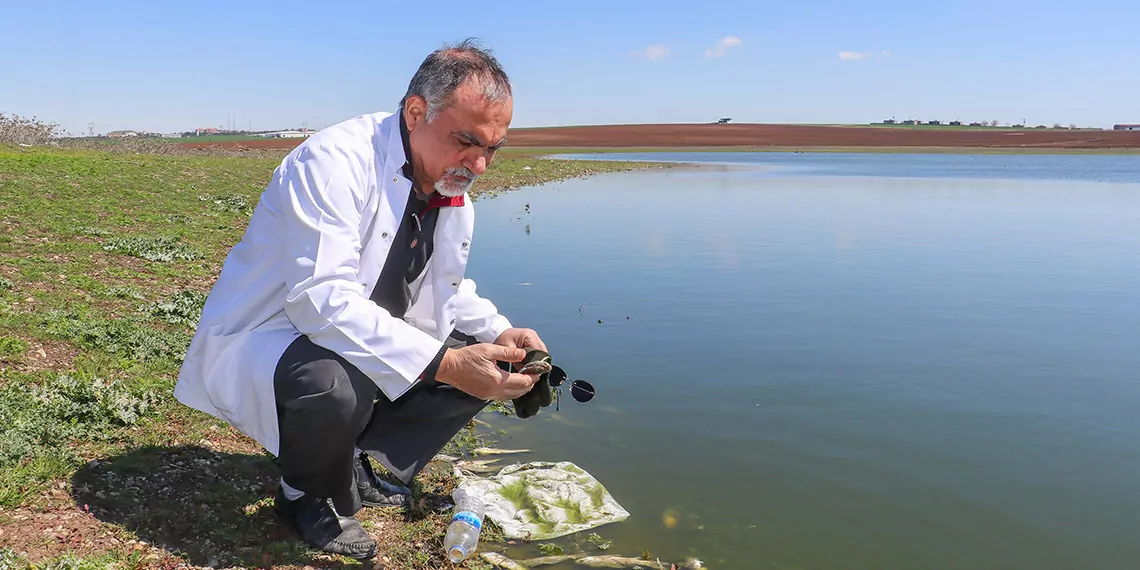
(447, 458)
(536, 367)
(482, 466)
(620, 562)
(500, 561)
(550, 560)
(493, 451)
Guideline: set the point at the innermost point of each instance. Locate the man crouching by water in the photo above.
(341, 324)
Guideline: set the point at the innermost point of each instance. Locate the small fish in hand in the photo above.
(536, 367)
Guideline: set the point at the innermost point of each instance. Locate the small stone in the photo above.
(100, 495)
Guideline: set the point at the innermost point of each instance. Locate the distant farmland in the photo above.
(744, 136)
(220, 138)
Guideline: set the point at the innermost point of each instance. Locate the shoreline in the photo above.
(163, 485)
(759, 137)
(546, 151)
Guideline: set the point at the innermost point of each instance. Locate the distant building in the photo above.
(122, 134)
(723, 121)
(955, 123)
(285, 135)
(1126, 127)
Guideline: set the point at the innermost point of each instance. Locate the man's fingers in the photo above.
(516, 385)
(536, 342)
(508, 353)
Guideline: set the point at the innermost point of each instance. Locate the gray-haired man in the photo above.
(342, 324)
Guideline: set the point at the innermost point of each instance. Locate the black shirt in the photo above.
(411, 248)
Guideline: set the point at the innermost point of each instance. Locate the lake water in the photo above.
(840, 360)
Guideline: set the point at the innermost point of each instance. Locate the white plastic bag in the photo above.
(543, 500)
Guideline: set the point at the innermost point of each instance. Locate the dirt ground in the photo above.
(805, 136)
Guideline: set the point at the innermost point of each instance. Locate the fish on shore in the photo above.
(478, 466)
(499, 561)
(551, 560)
(624, 562)
(494, 451)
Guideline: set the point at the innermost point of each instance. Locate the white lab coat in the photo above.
(307, 264)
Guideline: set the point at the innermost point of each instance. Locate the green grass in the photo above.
(106, 258)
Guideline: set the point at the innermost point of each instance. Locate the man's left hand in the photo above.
(540, 395)
(521, 338)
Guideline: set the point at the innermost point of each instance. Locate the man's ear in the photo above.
(415, 111)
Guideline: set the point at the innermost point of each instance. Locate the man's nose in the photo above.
(478, 165)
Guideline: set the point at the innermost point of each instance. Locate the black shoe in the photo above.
(321, 527)
(376, 492)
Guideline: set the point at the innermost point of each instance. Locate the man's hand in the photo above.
(474, 369)
(521, 338)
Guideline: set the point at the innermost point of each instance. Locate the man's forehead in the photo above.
(487, 120)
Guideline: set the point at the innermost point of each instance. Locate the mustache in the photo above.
(462, 171)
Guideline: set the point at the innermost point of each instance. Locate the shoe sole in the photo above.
(297, 531)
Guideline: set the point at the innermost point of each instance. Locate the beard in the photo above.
(453, 188)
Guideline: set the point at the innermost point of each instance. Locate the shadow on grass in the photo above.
(210, 508)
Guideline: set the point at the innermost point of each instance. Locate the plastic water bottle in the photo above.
(463, 534)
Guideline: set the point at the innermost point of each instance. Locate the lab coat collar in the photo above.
(408, 169)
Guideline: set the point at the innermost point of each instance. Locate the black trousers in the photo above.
(326, 407)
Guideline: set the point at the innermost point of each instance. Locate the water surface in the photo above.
(841, 360)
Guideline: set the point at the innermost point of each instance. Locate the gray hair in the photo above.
(451, 66)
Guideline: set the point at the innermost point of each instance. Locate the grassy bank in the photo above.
(105, 261)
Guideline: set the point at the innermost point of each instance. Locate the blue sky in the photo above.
(172, 66)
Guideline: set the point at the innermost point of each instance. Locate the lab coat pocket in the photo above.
(226, 376)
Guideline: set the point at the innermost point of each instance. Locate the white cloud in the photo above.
(653, 52)
(885, 53)
(722, 46)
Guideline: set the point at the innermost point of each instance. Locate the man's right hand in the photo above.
(474, 369)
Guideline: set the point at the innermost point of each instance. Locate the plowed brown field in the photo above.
(803, 136)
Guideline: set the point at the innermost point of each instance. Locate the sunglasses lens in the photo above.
(557, 376)
(582, 390)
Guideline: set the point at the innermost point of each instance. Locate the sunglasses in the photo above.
(580, 390)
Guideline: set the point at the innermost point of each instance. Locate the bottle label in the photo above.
(469, 518)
